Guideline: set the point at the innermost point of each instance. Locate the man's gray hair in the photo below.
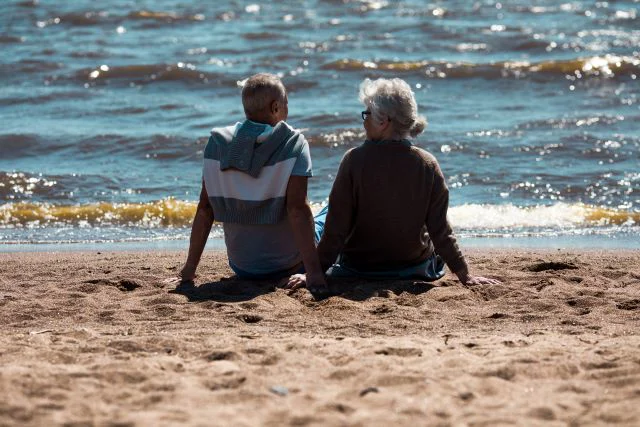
(393, 98)
(259, 91)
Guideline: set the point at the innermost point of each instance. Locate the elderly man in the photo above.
(255, 182)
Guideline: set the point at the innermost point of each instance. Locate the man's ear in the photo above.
(275, 106)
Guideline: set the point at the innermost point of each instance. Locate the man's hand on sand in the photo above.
(296, 281)
(187, 274)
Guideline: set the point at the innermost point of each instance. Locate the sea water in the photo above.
(533, 108)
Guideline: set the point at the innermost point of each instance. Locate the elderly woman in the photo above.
(387, 212)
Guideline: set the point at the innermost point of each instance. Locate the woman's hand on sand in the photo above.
(477, 280)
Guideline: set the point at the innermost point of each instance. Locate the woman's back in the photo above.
(389, 187)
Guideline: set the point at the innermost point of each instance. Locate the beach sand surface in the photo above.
(99, 339)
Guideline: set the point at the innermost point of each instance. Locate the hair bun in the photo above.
(418, 126)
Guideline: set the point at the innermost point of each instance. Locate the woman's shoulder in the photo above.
(424, 155)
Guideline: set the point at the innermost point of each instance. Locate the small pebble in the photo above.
(369, 390)
(279, 390)
(467, 395)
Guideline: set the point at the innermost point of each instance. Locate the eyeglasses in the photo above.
(365, 114)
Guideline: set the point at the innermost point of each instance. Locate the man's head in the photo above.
(264, 99)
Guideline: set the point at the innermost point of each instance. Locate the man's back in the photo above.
(251, 203)
(255, 181)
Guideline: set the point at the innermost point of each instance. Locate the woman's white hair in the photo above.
(393, 98)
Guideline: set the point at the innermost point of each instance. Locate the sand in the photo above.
(99, 339)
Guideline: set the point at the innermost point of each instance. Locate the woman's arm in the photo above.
(442, 235)
(339, 222)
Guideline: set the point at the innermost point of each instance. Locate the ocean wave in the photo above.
(80, 19)
(89, 55)
(15, 146)
(342, 137)
(28, 3)
(164, 16)
(263, 35)
(147, 73)
(89, 18)
(176, 213)
(162, 213)
(608, 66)
(29, 66)
(574, 122)
(50, 97)
(153, 146)
(20, 185)
(6, 39)
(557, 216)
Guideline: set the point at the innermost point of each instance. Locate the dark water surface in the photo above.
(533, 107)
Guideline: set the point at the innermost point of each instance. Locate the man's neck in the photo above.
(263, 120)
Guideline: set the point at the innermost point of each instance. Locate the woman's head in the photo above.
(393, 108)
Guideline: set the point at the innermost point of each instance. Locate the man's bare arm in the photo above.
(200, 229)
(301, 220)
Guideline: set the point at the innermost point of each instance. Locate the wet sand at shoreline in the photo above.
(97, 338)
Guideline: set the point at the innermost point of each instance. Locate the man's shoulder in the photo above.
(291, 142)
(224, 133)
(289, 132)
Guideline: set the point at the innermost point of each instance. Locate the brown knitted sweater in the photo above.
(388, 209)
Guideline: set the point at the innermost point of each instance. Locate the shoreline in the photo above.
(99, 338)
(628, 241)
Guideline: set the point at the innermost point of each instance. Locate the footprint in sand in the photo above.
(542, 413)
(340, 360)
(260, 356)
(16, 413)
(88, 288)
(223, 375)
(383, 309)
(546, 266)
(222, 355)
(249, 305)
(401, 352)
(250, 318)
(164, 311)
(506, 373)
(340, 407)
(161, 300)
(498, 316)
(633, 304)
(396, 380)
(342, 374)
(125, 285)
(106, 315)
(126, 346)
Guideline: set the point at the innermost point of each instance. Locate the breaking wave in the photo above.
(607, 66)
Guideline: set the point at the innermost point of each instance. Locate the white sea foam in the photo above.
(560, 216)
